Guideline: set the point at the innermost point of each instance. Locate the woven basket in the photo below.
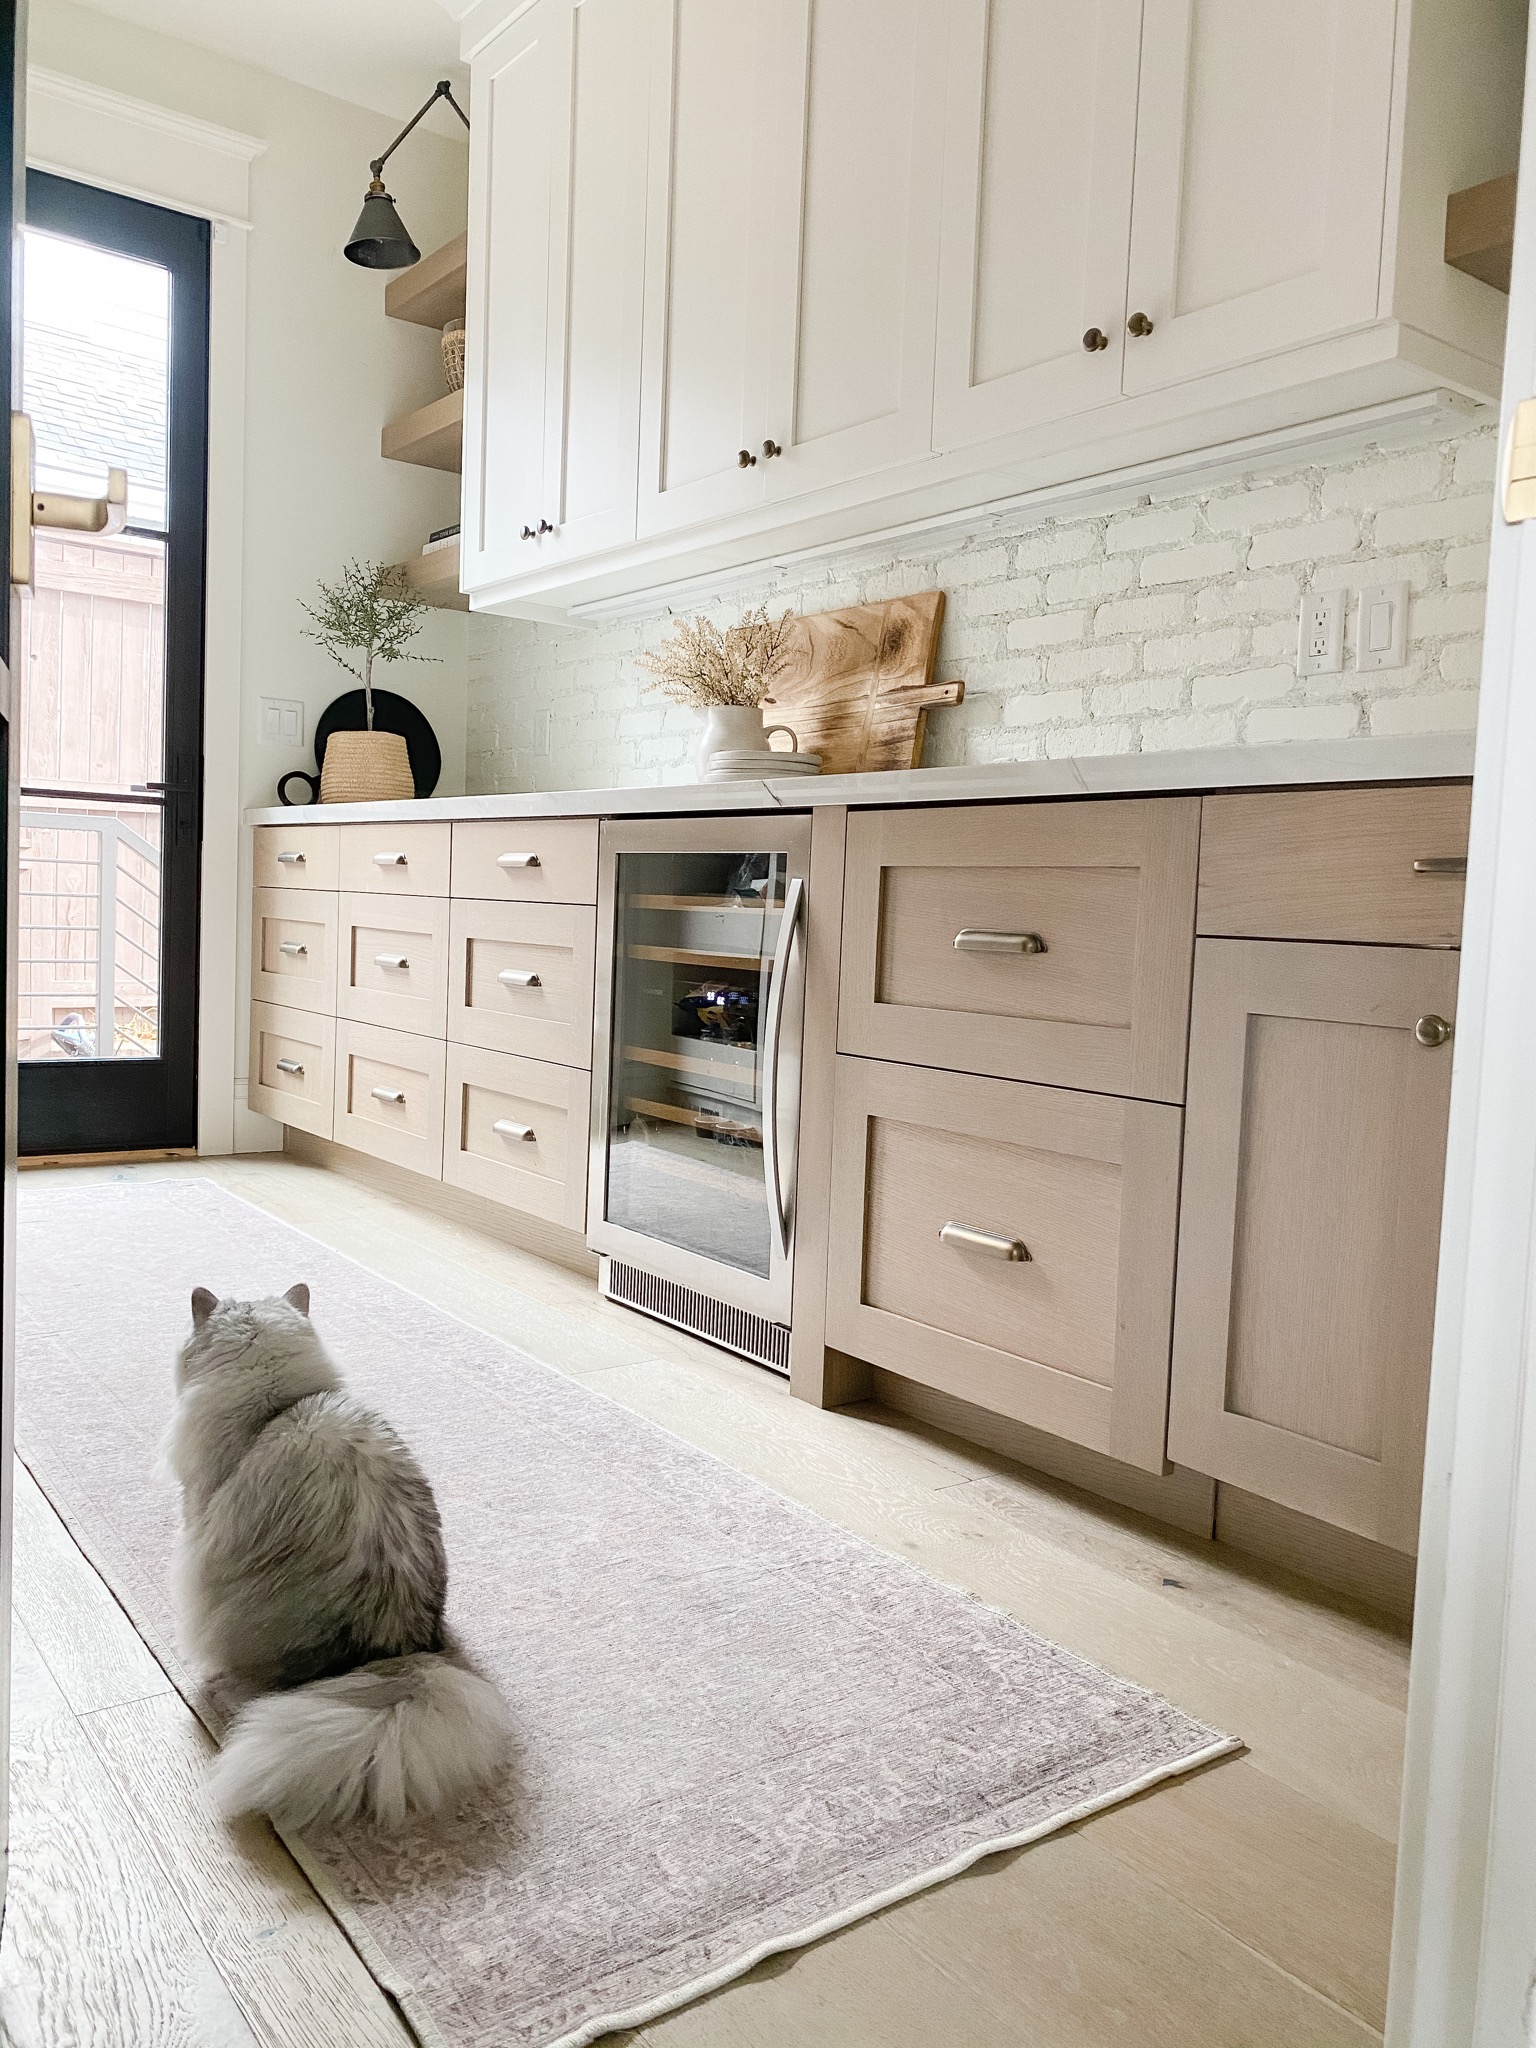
(365, 768)
(453, 355)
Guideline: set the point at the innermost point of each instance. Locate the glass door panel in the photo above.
(694, 941)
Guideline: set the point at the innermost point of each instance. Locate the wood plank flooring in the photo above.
(1246, 1907)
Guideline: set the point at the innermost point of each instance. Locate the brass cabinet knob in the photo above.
(771, 448)
(1139, 325)
(1431, 1030)
(745, 459)
(1094, 340)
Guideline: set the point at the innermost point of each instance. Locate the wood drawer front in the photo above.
(370, 987)
(1335, 864)
(293, 1067)
(548, 1020)
(389, 1095)
(1074, 1339)
(1309, 1226)
(293, 949)
(371, 859)
(544, 1174)
(526, 860)
(1109, 889)
(300, 857)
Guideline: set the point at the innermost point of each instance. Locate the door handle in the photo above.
(32, 508)
(794, 902)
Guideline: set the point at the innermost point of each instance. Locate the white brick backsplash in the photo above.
(1168, 624)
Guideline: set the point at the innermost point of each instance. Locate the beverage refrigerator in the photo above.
(696, 1073)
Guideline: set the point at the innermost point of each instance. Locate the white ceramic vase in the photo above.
(729, 728)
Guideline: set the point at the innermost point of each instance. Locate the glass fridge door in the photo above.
(693, 1073)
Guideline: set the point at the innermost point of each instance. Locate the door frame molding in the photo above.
(99, 137)
(1464, 1931)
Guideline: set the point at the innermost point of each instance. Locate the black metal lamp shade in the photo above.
(381, 240)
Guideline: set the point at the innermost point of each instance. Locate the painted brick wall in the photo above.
(1163, 620)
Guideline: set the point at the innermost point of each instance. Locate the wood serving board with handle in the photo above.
(857, 685)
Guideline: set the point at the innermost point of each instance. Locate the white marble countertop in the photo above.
(1411, 758)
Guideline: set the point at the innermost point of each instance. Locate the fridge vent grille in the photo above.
(733, 1329)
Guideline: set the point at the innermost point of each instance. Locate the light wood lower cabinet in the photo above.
(293, 949)
(1309, 1229)
(293, 1067)
(520, 979)
(1013, 1245)
(395, 860)
(526, 860)
(389, 1095)
(297, 857)
(515, 1130)
(394, 963)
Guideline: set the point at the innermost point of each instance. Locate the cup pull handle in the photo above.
(505, 1128)
(292, 948)
(290, 1066)
(390, 860)
(962, 1238)
(518, 860)
(391, 960)
(387, 1094)
(290, 860)
(999, 942)
(518, 977)
(1442, 864)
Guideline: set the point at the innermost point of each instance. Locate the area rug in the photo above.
(739, 1727)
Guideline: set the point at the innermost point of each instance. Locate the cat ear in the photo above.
(204, 1302)
(298, 1297)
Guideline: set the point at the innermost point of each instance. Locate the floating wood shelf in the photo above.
(433, 436)
(431, 292)
(434, 578)
(1480, 230)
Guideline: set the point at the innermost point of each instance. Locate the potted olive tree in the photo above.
(370, 615)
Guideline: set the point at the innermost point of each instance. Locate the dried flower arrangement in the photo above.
(703, 666)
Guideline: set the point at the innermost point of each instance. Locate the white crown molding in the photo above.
(185, 128)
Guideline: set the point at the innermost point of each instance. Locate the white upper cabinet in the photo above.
(1037, 212)
(706, 259)
(1261, 161)
(849, 191)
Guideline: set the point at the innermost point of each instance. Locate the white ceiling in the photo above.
(385, 54)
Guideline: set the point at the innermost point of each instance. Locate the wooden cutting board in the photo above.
(857, 685)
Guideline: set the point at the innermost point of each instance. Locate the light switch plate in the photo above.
(282, 722)
(1381, 627)
(1320, 639)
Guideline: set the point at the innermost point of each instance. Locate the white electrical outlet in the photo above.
(282, 722)
(1381, 629)
(1320, 642)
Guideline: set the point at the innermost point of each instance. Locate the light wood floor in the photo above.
(1248, 1907)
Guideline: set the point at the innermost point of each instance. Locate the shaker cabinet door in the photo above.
(1309, 1220)
(514, 107)
(852, 174)
(705, 262)
(1040, 139)
(1261, 165)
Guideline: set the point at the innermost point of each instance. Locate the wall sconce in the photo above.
(381, 241)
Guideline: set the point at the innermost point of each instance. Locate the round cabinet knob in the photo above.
(1139, 325)
(745, 459)
(528, 534)
(1431, 1030)
(543, 527)
(770, 449)
(1094, 340)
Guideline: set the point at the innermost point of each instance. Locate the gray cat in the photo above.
(310, 1578)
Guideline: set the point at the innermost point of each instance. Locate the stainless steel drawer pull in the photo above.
(1442, 864)
(290, 1066)
(999, 942)
(292, 948)
(518, 860)
(390, 860)
(391, 960)
(517, 977)
(1431, 1030)
(290, 860)
(961, 1238)
(387, 1094)
(505, 1128)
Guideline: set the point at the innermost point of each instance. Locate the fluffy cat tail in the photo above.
(403, 1735)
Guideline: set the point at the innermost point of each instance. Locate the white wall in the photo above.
(305, 370)
(1167, 619)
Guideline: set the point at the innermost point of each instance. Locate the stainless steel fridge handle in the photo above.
(778, 982)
